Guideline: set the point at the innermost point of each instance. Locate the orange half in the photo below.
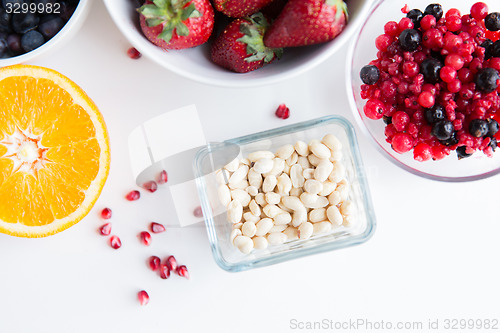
(54, 152)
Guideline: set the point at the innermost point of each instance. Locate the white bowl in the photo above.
(195, 63)
(70, 28)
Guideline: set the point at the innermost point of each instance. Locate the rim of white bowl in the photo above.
(352, 103)
(71, 26)
(241, 81)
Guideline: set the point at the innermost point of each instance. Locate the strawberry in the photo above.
(240, 46)
(177, 24)
(306, 22)
(240, 8)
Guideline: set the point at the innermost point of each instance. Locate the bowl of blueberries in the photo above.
(29, 28)
(424, 85)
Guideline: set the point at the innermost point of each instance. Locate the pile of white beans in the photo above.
(297, 192)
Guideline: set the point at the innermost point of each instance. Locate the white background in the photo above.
(434, 254)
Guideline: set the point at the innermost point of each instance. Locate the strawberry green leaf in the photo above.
(253, 32)
(151, 11)
(161, 3)
(167, 33)
(154, 22)
(190, 12)
(181, 29)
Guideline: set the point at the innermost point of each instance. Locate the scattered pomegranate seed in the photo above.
(157, 227)
(105, 229)
(171, 263)
(283, 112)
(106, 213)
(133, 195)
(198, 212)
(163, 178)
(183, 271)
(405, 9)
(143, 297)
(145, 238)
(133, 53)
(151, 186)
(164, 272)
(115, 242)
(154, 263)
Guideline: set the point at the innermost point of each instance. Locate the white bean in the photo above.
(254, 208)
(263, 165)
(269, 184)
(239, 185)
(317, 215)
(334, 215)
(319, 149)
(332, 142)
(271, 210)
(237, 225)
(349, 221)
(296, 192)
(244, 244)
(276, 238)
(234, 233)
(239, 175)
(278, 167)
(292, 159)
(285, 152)
(273, 198)
(286, 209)
(338, 172)
(334, 198)
(248, 229)
(291, 233)
(278, 228)
(343, 189)
(224, 195)
(313, 201)
(305, 230)
(296, 176)
(245, 161)
(321, 227)
(303, 162)
(233, 165)
(284, 184)
(221, 176)
(249, 217)
(328, 188)
(257, 155)
(252, 190)
(308, 173)
(314, 160)
(336, 156)
(283, 218)
(313, 186)
(301, 148)
(254, 178)
(299, 217)
(261, 199)
(259, 243)
(293, 203)
(347, 208)
(263, 226)
(234, 211)
(286, 169)
(242, 196)
(323, 170)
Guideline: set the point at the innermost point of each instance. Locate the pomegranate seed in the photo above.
(105, 229)
(163, 178)
(133, 53)
(115, 242)
(154, 263)
(145, 238)
(151, 186)
(171, 263)
(106, 213)
(198, 212)
(182, 271)
(405, 9)
(143, 297)
(164, 272)
(283, 112)
(133, 195)
(157, 227)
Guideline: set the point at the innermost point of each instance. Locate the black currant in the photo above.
(369, 74)
(415, 15)
(435, 10)
(478, 128)
(410, 39)
(492, 21)
(486, 79)
(492, 127)
(442, 130)
(435, 114)
(462, 152)
(430, 69)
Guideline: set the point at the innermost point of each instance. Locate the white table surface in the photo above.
(434, 255)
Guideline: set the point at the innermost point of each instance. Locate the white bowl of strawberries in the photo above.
(238, 43)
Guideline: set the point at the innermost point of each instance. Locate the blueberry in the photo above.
(410, 39)
(435, 10)
(488, 48)
(415, 15)
(478, 127)
(461, 152)
(14, 42)
(494, 50)
(452, 140)
(493, 144)
(5, 19)
(24, 22)
(492, 21)
(442, 130)
(492, 127)
(4, 48)
(50, 25)
(486, 79)
(435, 114)
(369, 74)
(387, 120)
(31, 40)
(430, 68)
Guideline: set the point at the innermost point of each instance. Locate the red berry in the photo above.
(400, 120)
(198, 212)
(115, 242)
(454, 23)
(154, 263)
(374, 109)
(283, 112)
(452, 12)
(382, 42)
(143, 297)
(455, 61)
(164, 272)
(391, 28)
(410, 68)
(426, 99)
(171, 263)
(182, 271)
(145, 238)
(422, 152)
(156, 227)
(151, 186)
(405, 23)
(163, 177)
(133, 53)
(479, 11)
(105, 229)
(448, 74)
(454, 86)
(428, 22)
(133, 195)
(402, 142)
(106, 213)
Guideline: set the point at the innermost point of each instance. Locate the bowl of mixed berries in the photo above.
(238, 43)
(424, 82)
